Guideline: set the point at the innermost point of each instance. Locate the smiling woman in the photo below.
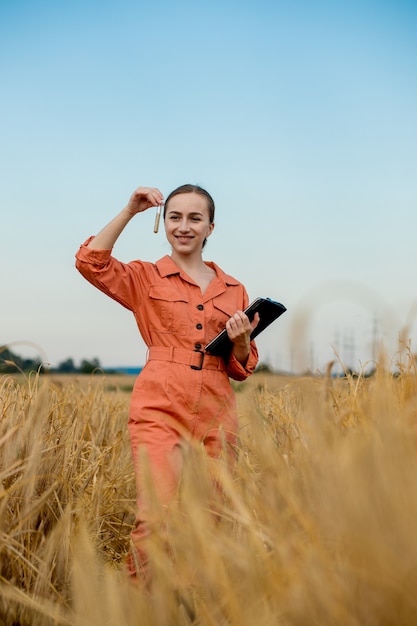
(183, 395)
(187, 226)
(201, 208)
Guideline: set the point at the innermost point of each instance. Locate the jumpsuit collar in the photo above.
(167, 267)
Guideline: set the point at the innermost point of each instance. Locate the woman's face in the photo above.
(187, 223)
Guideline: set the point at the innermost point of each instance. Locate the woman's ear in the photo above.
(211, 228)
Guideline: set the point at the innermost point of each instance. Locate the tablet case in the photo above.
(268, 310)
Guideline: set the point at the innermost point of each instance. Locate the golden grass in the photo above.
(315, 526)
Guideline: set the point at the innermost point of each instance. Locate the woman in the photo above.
(180, 303)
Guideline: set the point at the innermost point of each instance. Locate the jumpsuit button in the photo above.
(200, 307)
(199, 326)
(197, 346)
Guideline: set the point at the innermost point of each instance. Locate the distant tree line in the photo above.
(10, 363)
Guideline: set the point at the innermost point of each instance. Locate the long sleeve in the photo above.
(120, 281)
(239, 372)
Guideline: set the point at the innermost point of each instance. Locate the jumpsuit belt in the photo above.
(196, 359)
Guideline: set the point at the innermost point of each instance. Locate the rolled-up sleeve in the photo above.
(87, 257)
(239, 372)
(118, 280)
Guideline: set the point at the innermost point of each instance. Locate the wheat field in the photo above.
(315, 525)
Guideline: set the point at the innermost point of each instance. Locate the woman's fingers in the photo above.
(238, 325)
(144, 198)
(255, 321)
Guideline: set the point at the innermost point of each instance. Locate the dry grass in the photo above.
(315, 526)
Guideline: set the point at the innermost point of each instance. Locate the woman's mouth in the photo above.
(183, 238)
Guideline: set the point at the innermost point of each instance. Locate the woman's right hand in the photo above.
(140, 200)
(144, 198)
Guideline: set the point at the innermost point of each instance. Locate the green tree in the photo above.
(11, 363)
(87, 367)
(67, 367)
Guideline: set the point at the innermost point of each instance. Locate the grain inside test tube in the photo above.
(157, 218)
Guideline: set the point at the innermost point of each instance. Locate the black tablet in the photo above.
(268, 310)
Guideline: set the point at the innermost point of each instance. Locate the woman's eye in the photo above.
(195, 219)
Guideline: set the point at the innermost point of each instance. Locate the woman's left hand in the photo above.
(239, 330)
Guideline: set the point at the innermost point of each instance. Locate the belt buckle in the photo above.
(200, 366)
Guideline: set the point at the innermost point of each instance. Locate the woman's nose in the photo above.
(184, 225)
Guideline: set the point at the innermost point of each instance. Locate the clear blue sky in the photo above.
(299, 117)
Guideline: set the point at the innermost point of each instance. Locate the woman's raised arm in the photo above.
(140, 200)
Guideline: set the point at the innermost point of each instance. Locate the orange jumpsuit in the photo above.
(181, 393)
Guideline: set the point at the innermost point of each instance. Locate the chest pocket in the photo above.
(168, 310)
(224, 306)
